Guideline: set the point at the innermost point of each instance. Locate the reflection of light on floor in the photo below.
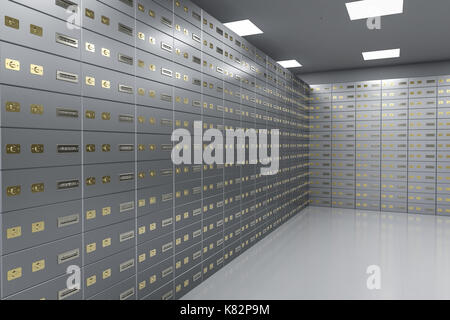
(323, 253)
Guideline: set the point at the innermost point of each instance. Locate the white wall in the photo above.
(378, 73)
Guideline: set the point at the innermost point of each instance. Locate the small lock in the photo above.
(37, 70)
(13, 148)
(90, 81)
(90, 47)
(106, 274)
(106, 179)
(106, 84)
(90, 148)
(37, 148)
(105, 20)
(38, 227)
(12, 106)
(12, 64)
(106, 52)
(106, 148)
(14, 274)
(89, 13)
(90, 181)
(90, 114)
(37, 109)
(106, 211)
(13, 191)
(36, 30)
(12, 22)
(14, 232)
(37, 188)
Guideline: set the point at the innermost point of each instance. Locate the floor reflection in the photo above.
(323, 253)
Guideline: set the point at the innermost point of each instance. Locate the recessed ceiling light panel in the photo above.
(381, 54)
(289, 64)
(373, 8)
(243, 28)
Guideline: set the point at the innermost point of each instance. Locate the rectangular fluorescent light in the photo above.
(243, 28)
(373, 8)
(381, 54)
(289, 64)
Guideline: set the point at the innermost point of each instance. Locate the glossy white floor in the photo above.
(323, 253)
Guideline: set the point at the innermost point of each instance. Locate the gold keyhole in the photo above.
(90, 148)
(13, 148)
(37, 148)
(90, 181)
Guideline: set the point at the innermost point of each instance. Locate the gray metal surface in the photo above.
(86, 118)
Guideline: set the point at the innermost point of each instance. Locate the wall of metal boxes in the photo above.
(382, 145)
(87, 110)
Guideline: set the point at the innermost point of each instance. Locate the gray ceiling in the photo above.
(320, 35)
